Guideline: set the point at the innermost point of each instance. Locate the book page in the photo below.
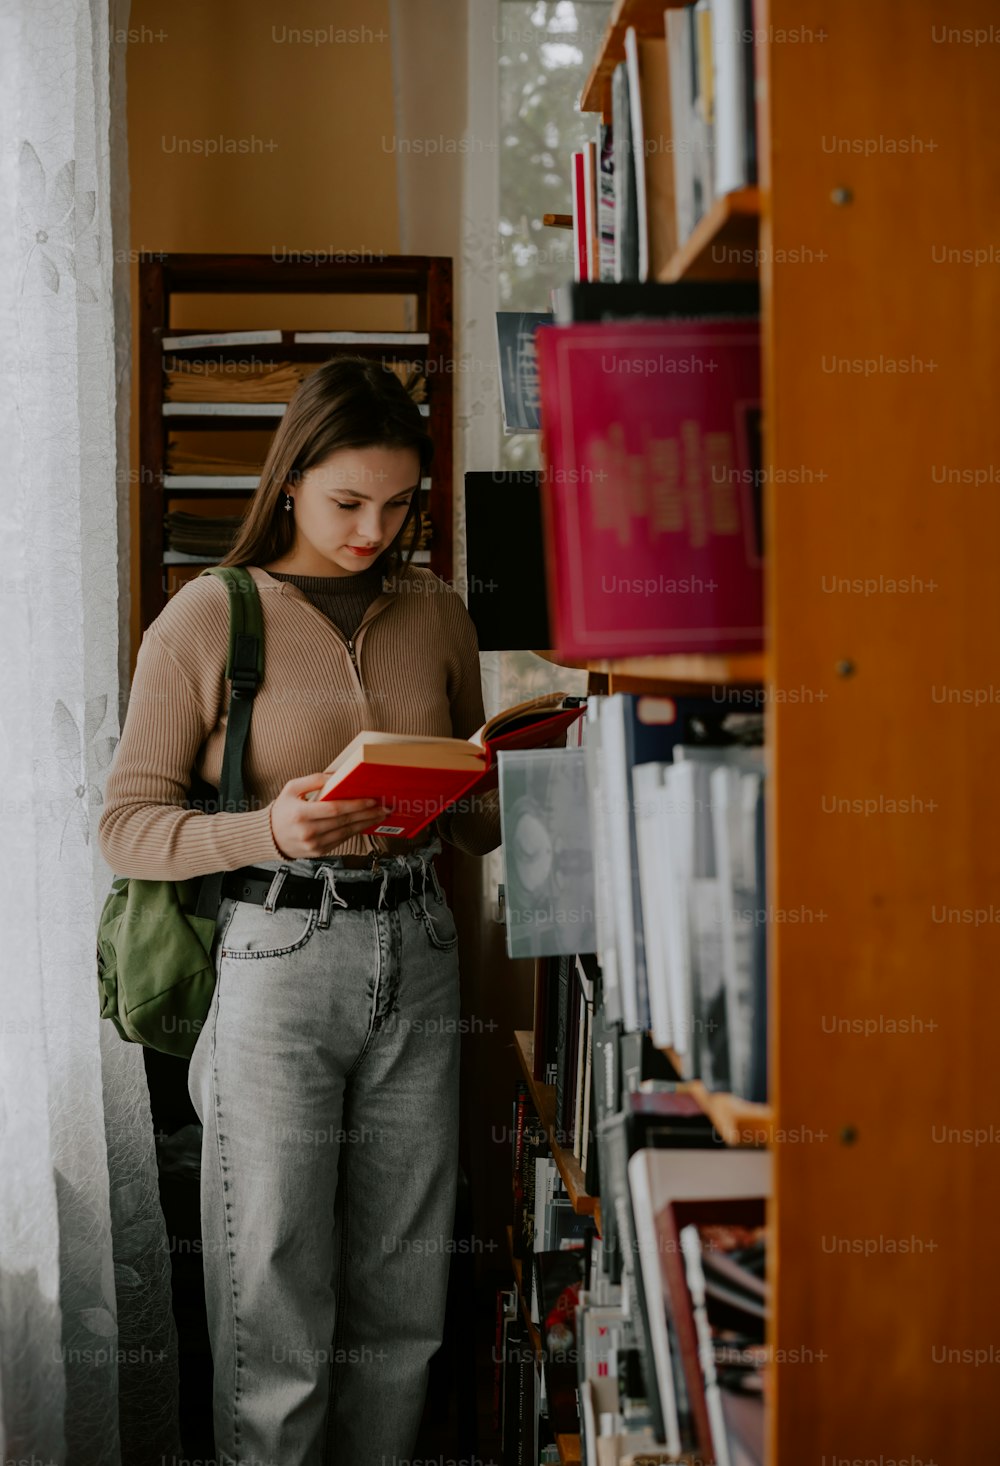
(503, 721)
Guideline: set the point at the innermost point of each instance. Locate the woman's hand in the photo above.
(304, 828)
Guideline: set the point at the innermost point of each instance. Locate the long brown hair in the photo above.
(348, 402)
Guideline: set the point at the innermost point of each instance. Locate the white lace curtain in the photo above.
(87, 1350)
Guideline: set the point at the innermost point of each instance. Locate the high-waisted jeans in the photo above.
(326, 1080)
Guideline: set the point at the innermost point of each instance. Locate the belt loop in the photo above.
(434, 878)
(423, 885)
(330, 894)
(270, 900)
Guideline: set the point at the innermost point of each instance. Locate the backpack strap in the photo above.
(244, 670)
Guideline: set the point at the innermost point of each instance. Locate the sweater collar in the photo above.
(390, 590)
(264, 581)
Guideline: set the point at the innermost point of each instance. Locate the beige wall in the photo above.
(318, 170)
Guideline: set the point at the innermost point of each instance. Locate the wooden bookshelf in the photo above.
(723, 245)
(848, 231)
(423, 282)
(676, 674)
(543, 1097)
(872, 226)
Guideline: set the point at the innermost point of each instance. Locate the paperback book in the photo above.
(519, 368)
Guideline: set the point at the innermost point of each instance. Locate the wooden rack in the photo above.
(873, 1125)
(568, 1445)
(543, 1097)
(423, 281)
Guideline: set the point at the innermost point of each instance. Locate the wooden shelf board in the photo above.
(183, 486)
(648, 18)
(671, 672)
(166, 277)
(569, 1449)
(731, 225)
(740, 1122)
(210, 410)
(543, 1097)
(287, 349)
(231, 416)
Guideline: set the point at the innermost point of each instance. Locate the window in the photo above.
(544, 53)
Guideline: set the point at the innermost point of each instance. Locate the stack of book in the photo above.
(243, 459)
(698, 823)
(682, 134)
(644, 846)
(700, 1268)
(670, 1296)
(550, 1245)
(235, 381)
(200, 534)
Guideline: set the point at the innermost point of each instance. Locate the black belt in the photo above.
(250, 884)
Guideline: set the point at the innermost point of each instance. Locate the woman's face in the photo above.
(350, 507)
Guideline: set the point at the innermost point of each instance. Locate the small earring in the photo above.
(288, 501)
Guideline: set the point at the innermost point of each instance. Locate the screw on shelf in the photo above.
(848, 1134)
(845, 667)
(842, 196)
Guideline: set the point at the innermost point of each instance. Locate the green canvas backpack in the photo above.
(155, 966)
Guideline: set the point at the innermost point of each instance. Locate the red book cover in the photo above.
(414, 796)
(650, 492)
(581, 268)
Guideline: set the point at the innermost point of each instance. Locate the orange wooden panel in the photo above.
(682, 671)
(881, 362)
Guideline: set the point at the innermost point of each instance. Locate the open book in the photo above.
(415, 778)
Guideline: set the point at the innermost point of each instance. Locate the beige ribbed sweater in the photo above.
(417, 673)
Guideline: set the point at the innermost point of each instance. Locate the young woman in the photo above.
(326, 1074)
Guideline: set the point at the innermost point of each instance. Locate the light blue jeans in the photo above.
(326, 1080)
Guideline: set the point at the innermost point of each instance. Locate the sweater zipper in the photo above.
(354, 662)
(353, 646)
(352, 652)
(370, 841)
